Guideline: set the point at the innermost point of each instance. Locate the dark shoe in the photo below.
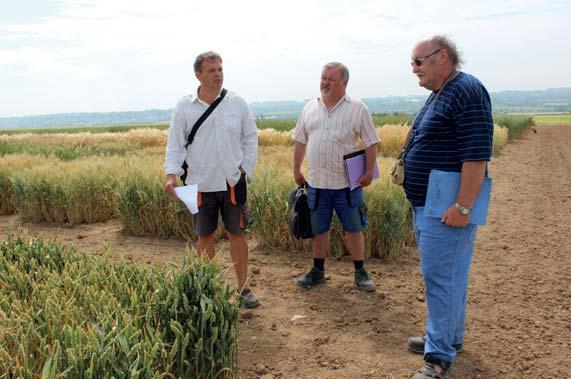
(311, 278)
(248, 299)
(432, 371)
(416, 345)
(363, 281)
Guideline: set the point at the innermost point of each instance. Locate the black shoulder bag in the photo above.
(299, 220)
(197, 124)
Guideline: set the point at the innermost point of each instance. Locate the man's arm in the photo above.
(298, 155)
(370, 157)
(370, 139)
(301, 138)
(471, 179)
(171, 184)
(175, 151)
(249, 142)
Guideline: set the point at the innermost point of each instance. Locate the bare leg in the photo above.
(356, 245)
(239, 255)
(205, 246)
(320, 245)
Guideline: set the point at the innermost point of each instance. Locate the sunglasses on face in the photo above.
(418, 61)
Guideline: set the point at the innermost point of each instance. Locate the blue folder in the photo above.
(442, 191)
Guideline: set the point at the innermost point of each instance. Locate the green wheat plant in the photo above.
(65, 314)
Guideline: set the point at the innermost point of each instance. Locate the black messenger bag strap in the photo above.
(195, 127)
(204, 116)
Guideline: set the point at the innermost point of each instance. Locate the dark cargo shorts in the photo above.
(231, 204)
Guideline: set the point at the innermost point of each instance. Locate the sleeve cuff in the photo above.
(174, 171)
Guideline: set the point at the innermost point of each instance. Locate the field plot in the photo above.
(555, 119)
(329, 322)
(93, 177)
(65, 314)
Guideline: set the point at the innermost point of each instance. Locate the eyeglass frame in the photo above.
(419, 61)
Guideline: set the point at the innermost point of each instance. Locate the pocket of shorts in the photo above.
(244, 218)
(363, 214)
(356, 197)
(311, 197)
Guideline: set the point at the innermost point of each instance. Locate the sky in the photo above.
(60, 56)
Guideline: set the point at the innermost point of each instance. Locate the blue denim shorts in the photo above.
(349, 206)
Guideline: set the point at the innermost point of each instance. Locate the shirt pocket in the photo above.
(232, 123)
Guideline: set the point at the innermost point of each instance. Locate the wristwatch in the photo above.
(463, 210)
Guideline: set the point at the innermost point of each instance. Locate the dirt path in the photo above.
(519, 321)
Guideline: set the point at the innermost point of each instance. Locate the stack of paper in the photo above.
(355, 167)
(189, 196)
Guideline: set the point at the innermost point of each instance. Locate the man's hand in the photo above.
(171, 184)
(453, 218)
(470, 183)
(366, 179)
(370, 157)
(298, 177)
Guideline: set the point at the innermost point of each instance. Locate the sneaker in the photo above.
(416, 345)
(248, 299)
(363, 281)
(432, 371)
(311, 278)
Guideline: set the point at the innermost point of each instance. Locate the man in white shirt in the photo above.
(329, 128)
(220, 161)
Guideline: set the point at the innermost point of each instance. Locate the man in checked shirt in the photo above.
(328, 128)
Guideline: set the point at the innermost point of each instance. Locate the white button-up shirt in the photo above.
(226, 141)
(330, 134)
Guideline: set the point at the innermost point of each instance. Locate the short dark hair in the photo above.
(342, 68)
(443, 42)
(209, 55)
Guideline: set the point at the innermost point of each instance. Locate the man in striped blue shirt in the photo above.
(452, 132)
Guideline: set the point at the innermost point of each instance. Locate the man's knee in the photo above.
(206, 241)
(354, 235)
(235, 237)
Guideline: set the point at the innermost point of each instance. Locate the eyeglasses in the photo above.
(418, 61)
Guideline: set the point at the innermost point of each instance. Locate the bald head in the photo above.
(442, 42)
(434, 60)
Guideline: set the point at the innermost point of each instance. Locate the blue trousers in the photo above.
(445, 256)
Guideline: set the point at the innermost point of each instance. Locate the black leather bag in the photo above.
(299, 221)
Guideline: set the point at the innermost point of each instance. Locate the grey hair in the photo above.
(443, 42)
(209, 55)
(342, 68)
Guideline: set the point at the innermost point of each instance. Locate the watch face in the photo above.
(463, 210)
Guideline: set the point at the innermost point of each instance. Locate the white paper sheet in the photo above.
(189, 196)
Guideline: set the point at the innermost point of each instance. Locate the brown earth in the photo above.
(519, 321)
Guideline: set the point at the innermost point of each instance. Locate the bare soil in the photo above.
(519, 321)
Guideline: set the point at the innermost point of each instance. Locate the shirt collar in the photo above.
(197, 99)
(341, 100)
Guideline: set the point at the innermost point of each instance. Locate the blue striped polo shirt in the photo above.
(451, 128)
